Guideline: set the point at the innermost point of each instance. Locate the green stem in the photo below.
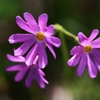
(65, 56)
(61, 29)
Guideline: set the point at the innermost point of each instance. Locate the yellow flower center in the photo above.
(40, 36)
(87, 48)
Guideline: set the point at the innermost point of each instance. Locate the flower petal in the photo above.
(43, 60)
(96, 60)
(44, 80)
(49, 31)
(74, 60)
(42, 21)
(96, 51)
(54, 41)
(94, 33)
(32, 22)
(38, 78)
(76, 49)
(82, 39)
(35, 61)
(41, 72)
(51, 49)
(82, 65)
(19, 76)
(96, 43)
(17, 67)
(16, 38)
(24, 47)
(91, 67)
(15, 59)
(31, 55)
(23, 25)
(30, 76)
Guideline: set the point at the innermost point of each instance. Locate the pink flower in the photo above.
(87, 54)
(38, 37)
(33, 71)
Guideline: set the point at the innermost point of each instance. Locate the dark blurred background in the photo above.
(64, 84)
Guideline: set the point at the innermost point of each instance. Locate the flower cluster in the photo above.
(32, 54)
(32, 57)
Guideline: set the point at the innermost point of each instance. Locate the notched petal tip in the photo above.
(82, 38)
(96, 31)
(93, 35)
(18, 17)
(7, 69)
(11, 39)
(43, 64)
(50, 30)
(42, 21)
(59, 43)
(93, 76)
(79, 72)
(8, 55)
(69, 63)
(44, 17)
(44, 14)
(52, 25)
(80, 33)
(26, 13)
(54, 56)
(42, 86)
(16, 79)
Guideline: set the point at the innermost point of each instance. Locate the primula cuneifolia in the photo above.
(86, 54)
(38, 37)
(33, 72)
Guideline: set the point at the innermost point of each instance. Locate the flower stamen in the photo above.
(40, 36)
(87, 48)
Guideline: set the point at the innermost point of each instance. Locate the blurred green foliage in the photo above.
(9, 8)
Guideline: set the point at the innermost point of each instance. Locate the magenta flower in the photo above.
(87, 54)
(33, 71)
(38, 38)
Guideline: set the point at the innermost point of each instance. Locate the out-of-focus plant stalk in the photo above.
(58, 27)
